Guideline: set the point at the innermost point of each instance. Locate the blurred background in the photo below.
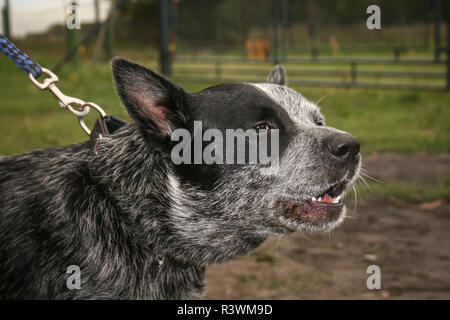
(388, 86)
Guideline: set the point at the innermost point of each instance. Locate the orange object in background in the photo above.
(257, 48)
(334, 45)
(172, 47)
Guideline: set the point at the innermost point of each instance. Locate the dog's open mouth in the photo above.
(319, 209)
(332, 195)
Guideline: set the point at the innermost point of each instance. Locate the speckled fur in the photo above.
(135, 228)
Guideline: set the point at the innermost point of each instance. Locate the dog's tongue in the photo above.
(327, 198)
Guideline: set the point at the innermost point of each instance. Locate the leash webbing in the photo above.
(21, 59)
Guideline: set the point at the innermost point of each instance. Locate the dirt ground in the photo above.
(409, 242)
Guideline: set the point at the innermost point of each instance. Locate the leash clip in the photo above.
(66, 101)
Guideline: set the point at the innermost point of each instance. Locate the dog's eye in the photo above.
(261, 126)
(320, 123)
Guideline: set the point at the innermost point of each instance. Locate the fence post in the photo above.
(6, 25)
(397, 54)
(72, 42)
(164, 54)
(109, 38)
(97, 11)
(285, 11)
(437, 30)
(276, 16)
(353, 72)
(448, 45)
(312, 29)
(218, 70)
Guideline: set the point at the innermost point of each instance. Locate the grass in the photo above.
(263, 255)
(413, 193)
(290, 283)
(399, 121)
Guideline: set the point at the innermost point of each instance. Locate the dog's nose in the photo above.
(342, 146)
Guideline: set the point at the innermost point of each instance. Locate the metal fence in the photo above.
(382, 63)
(321, 42)
(352, 72)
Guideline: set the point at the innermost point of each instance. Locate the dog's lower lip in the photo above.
(311, 212)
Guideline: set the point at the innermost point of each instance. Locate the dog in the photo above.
(133, 225)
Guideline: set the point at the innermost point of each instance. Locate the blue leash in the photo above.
(21, 59)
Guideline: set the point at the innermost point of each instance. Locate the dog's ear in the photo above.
(155, 103)
(277, 75)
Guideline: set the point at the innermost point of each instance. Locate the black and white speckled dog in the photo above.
(140, 227)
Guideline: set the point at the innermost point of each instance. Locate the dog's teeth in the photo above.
(336, 200)
(320, 199)
(314, 199)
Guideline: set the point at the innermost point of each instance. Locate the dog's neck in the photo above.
(173, 219)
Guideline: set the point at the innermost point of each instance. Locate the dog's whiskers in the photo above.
(356, 197)
(304, 235)
(330, 237)
(369, 177)
(276, 247)
(321, 98)
(360, 177)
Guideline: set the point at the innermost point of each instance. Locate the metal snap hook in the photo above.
(95, 107)
(65, 101)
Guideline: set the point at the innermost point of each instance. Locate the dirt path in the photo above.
(410, 244)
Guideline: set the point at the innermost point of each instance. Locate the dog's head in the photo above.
(316, 163)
